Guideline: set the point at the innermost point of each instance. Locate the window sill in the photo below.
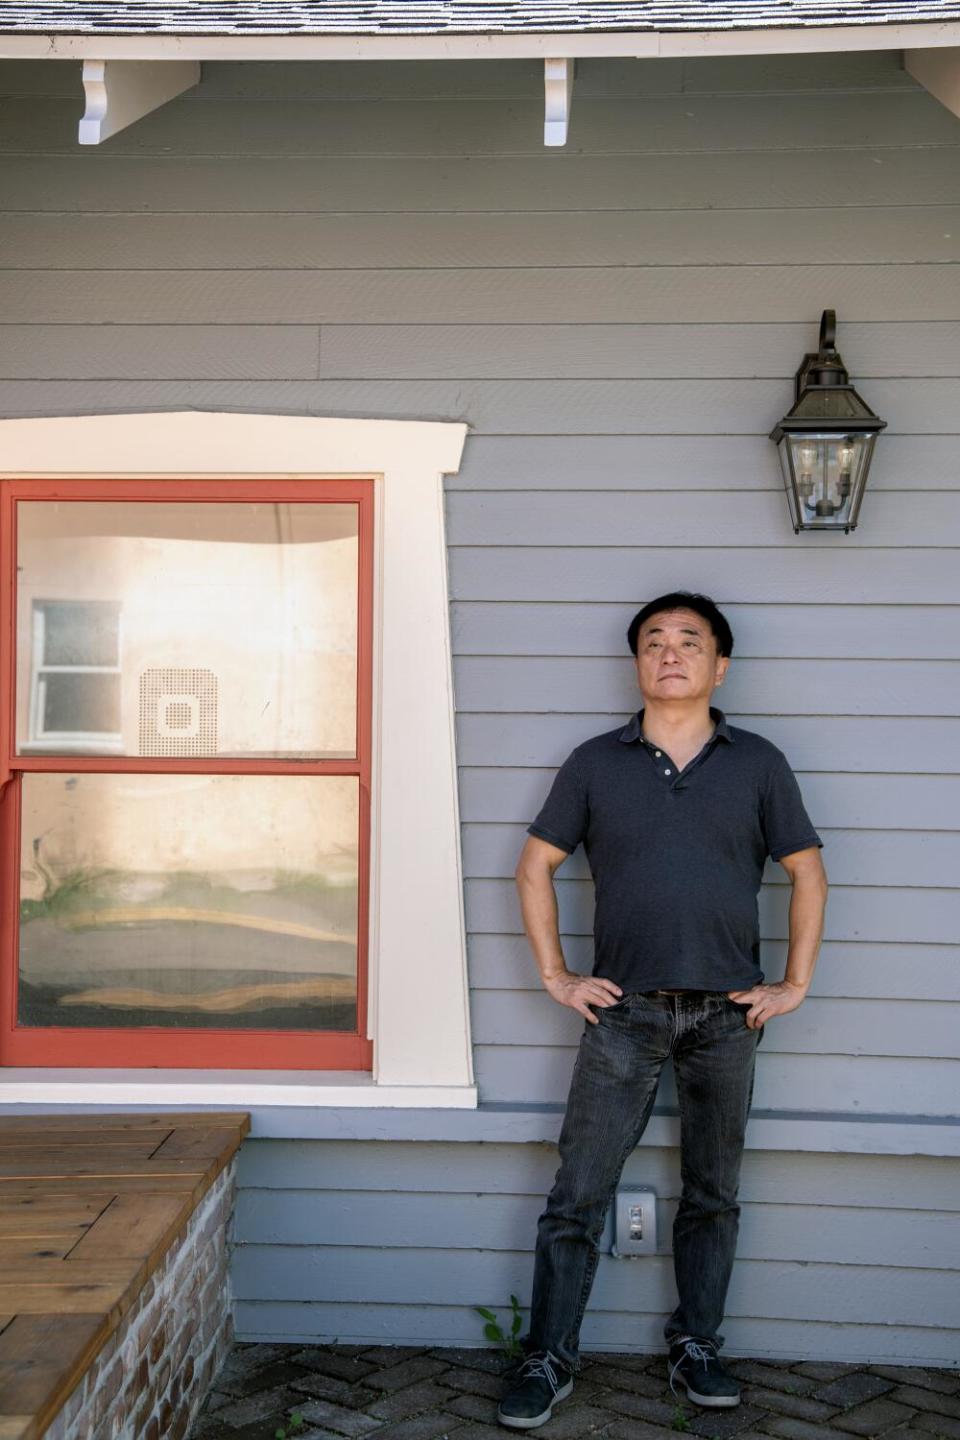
(244, 1089)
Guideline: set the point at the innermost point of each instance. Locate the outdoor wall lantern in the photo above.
(826, 441)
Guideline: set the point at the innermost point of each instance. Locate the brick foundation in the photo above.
(150, 1378)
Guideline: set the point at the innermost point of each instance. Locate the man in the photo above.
(678, 812)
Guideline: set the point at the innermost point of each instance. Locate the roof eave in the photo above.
(635, 44)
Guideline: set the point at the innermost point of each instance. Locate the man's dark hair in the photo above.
(684, 600)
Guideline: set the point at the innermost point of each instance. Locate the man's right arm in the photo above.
(538, 903)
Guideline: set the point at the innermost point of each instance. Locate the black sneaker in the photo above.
(695, 1365)
(535, 1388)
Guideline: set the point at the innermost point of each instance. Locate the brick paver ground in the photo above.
(394, 1393)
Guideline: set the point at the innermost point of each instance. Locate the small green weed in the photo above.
(293, 1426)
(679, 1421)
(508, 1340)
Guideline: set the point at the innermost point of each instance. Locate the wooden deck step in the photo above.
(89, 1206)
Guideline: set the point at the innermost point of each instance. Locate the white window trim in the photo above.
(419, 1011)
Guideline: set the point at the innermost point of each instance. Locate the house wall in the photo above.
(619, 324)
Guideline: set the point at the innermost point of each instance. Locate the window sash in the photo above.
(203, 1049)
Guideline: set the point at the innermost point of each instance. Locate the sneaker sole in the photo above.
(710, 1402)
(531, 1422)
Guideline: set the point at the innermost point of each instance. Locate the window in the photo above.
(188, 825)
(75, 675)
(414, 913)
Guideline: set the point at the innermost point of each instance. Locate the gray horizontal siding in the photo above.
(853, 857)
(310, 1258)
(618, 324)
(895, 801)
(853, 633)
(903, 463)
(655, 294)
(849, 969)
(370, 184)
(877, 236)
(659, 124)
(896, 745)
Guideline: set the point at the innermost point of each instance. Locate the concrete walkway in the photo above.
(389, 1393)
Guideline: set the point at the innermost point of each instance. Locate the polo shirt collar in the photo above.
(633, 729)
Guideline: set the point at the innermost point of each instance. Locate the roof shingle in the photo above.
(450, 17)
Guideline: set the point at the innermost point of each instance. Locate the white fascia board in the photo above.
(118, 92)
(558, 45)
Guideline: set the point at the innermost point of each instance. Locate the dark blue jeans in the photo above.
(611, 1096)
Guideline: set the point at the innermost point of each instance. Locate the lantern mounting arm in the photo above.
(826, 366)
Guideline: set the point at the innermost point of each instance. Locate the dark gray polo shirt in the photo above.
(677, 857)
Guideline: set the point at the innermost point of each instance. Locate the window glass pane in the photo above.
(236, 624)
(79, 704)
(224, 902)
(78, 632)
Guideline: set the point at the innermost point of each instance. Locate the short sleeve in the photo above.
(786, 825)
(563, 819)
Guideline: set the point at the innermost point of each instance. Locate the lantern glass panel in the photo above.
(824, 475)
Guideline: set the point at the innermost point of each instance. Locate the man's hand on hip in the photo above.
(765, 1001)
(579, 992)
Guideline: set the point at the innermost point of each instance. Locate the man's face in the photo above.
(677, 657)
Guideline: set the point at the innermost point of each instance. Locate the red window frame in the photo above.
(150, 1046)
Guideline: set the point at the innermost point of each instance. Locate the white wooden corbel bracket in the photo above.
(118, 92)
(558, 91)
(937, 70)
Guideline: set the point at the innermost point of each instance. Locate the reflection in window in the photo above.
(239, 628)
(190, 901)
(75, 675)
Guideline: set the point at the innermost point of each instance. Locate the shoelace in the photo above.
(699, 1353)
(540, 1367)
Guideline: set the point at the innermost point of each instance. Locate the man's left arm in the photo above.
(807, 903)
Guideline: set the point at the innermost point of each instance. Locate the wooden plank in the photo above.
(135, 1227)
(64, 1168)
(107, 1124)
(39, 1209)
(17, 1427)
(104, 1297)
(650, 294)
(69, 1155)
(24, 1248)
(193, 1142)
(876, 236)
(43, 1357)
